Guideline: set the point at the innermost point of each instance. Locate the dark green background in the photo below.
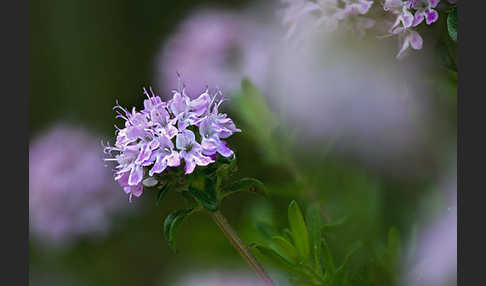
(86, 54)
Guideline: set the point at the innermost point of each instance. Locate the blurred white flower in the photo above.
(328, 90)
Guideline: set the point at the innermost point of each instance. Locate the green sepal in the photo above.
(277, 259)
(171, 224)
(266, 230)
(288, 234)
(299, 230)
(314, 222)
(327, 260)
(285, 249)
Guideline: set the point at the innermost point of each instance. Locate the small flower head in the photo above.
(410, 13)
(162, 135)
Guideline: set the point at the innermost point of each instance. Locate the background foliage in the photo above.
(84, 54)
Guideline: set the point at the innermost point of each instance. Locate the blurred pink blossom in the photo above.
(214, 48)
(71, 193)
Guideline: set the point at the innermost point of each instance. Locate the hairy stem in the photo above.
(241, 247)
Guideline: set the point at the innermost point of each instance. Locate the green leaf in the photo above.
(161, 194)
(245, 184)
(260, 122)
(266, 230)
(288, 234)
(452, 23)
(328, 227)
(327, 260)
(279, 261)
(171, 224)
(258, 105)
(206, 198)
(357, 245)
(299, 230)
(314, 222)
(285, 249)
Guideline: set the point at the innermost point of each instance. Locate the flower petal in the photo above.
(404, 46)
(431, 16)
(173, 160)
(419, 18)
(170, 131)
(415, 40)
(179, 103)
(202, 160)
(137, 190)
(136, 175)
(144, 154)
(210, 145)
(407, 18)
(200, 104)
(122, 178)
(185, 138)
(434, 3)
(159, 165)
(224, 150)
(190, 165)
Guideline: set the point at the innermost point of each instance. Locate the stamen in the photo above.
(151, 91)
(146, 93)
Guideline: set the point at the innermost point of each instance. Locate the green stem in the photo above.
(241, 247)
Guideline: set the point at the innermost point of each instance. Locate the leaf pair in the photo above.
(172, 223)
(205, 191)
(303, 251)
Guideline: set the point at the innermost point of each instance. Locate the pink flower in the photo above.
(409, 38)
(144, 148)
(425, 11)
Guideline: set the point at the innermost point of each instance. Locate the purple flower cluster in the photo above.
(71, 193)
(410, 14)
(146, 144)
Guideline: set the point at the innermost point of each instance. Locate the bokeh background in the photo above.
(369, 137)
